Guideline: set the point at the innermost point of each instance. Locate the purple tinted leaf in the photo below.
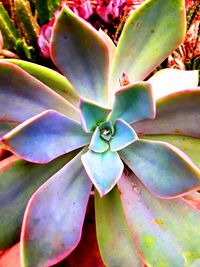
(165, 170)
(18, 181)
(84, 58)
(54, 217)
(45, 137)
(22, 96)
(177, 113)
(49, 77)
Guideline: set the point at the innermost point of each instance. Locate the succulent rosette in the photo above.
(98, 126)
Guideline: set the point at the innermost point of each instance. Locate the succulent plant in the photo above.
(100, 128)
(45, 37)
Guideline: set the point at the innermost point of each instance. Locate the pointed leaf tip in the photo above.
(133, 103)
(54, 217)
(99, 169)
(142, 45)
(165, 170)
(92, 114)
(124, 136)
(176, 114)
(85, 57)
(45, 137)
(23, 96)
(97, 144)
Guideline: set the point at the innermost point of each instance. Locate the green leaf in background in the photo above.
(154, 30)
(167, 232)
(116, 245)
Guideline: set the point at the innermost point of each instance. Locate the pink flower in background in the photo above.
(107, 10)
(112, 8)
(45, 36)
(83, 9)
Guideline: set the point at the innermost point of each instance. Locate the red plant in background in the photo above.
(187, 55)
(45, 36)
(105, 14)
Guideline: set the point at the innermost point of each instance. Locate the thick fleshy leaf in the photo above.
(54, 217)
(189, 145)
(109, 42)
(124, 136)
(99, 168)
(164, 169)
(168, 81)
(142, 45)
(92, 115)
(51, 78)
(115, 242)
(84, 58)
(22, 96)
(177, 113)
(112, 49)
(167, 232)
(45, 137)
(18, 181)
(97, 144)
(133, 102)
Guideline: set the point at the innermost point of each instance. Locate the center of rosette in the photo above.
(106, 130)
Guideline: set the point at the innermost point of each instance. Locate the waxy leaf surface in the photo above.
(97, 144)
(165, 170)
(177, 113)
(168, 81)
(54, 217)
(113, 232)
(109, 42)
(18, 181)
(124, 135)
(133, 102)
(51, 78)
(92, 115)
(166, 232)
(99, 167)
(150, 34)
(189, 145)
(45, 137)
(84, 58)
(22, 96)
